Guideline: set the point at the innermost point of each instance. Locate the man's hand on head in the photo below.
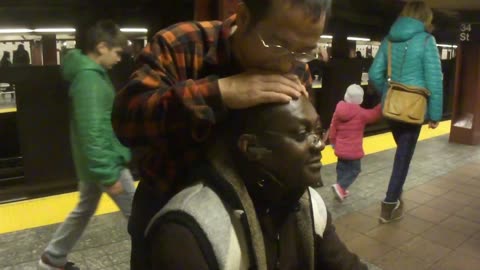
(250, 89)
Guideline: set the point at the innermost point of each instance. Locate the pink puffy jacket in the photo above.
(346, 130)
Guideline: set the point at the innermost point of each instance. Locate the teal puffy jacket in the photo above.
(97, 154)
(420, 66)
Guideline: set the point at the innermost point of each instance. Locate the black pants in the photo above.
(145, 205)
(406, 136)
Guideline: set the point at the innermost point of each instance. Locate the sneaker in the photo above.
(339, 192)
(45, 264)
(391, 212)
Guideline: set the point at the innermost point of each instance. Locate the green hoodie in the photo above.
(97, 154)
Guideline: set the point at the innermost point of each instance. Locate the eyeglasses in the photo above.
(313, 138)
(302, 57)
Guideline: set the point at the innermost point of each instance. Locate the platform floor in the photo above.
(441, 229)
(7, 103)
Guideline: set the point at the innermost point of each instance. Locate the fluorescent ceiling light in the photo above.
(134, 30)
(326, 36)
(358, 39)
(447, 46)
(15, 30)
(54, 30)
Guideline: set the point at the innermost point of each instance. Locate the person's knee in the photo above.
(85, 210)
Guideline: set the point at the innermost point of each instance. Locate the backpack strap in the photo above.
(220, 224)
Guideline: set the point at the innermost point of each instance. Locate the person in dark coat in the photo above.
(5, 62)
(20, 56)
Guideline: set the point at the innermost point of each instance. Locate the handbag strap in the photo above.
(389, 69)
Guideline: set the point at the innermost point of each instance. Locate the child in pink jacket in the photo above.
(346, 137)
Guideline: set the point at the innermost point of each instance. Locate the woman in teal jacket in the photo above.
(416, 62)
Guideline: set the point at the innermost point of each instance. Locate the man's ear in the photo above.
(102, 48)
(249, 146)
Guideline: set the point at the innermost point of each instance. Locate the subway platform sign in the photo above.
(469, 32)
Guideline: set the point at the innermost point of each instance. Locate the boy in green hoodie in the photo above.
(100, 160)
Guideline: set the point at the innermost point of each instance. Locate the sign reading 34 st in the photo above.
(469, 32)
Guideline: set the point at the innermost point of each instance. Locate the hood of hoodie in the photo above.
(405, 28)
(346, 111)
(75, 62)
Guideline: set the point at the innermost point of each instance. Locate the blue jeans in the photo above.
(405, 136)
(347, 172)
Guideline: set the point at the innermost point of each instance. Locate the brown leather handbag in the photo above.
(404, 103)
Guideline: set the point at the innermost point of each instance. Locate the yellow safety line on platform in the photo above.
(54, 209)
(8, 110)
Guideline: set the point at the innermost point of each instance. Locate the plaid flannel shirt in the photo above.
(172, 102)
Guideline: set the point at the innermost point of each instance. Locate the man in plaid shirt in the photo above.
(192, 73)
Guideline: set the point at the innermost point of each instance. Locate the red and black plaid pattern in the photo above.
(172, 101)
